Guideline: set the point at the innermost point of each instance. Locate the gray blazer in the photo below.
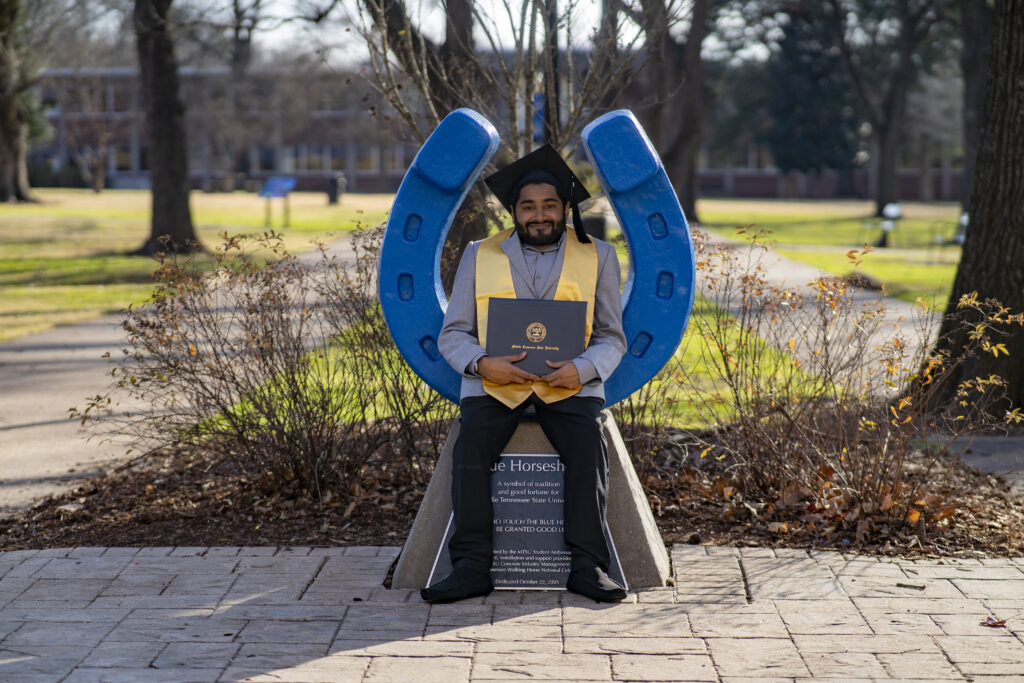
(458, 341)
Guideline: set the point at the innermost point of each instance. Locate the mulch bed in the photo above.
(177, 499)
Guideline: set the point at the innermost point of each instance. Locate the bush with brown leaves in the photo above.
(820, 411)
(282, 363)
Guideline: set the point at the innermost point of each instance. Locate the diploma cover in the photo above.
(546, 329)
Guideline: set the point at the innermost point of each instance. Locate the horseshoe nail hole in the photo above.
(640, 344)
(659, 229)
(429, 346)
(412, 227)
(405, 288)
(664, 289)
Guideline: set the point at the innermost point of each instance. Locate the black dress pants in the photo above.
(572, 428)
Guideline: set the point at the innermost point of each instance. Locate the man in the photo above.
(537, 259)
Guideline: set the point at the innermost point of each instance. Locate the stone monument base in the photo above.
(645, 562)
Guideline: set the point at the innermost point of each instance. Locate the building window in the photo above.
(315, 158)
(266, 159)
(394, 159)
(339, 157)
(123, 158)
(367, 159)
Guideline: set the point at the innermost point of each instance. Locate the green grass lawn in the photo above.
(907, 274)
(836, 223)
(64, 260)
(820, 233)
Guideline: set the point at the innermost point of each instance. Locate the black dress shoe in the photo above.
(594, 583)
(462, 583)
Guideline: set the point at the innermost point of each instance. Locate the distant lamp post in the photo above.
(891, 213)
(961, 229)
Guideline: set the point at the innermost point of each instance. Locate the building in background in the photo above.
(314, 125)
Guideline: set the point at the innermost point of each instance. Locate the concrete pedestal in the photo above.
(645, 562)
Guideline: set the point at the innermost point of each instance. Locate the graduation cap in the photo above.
(543, 165)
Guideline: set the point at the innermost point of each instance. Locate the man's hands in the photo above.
(565, 374)
(501, 370)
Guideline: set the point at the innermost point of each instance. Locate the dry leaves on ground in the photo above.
(178, 499)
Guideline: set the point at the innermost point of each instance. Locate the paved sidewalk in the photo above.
(41, 377)
(301, 614)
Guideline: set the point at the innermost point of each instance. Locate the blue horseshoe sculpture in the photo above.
(658, 295)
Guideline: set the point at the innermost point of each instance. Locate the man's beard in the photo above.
(540, 240)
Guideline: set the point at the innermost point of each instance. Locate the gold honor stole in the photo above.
(576, 282)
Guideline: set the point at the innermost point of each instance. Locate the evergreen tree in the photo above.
(812, 107)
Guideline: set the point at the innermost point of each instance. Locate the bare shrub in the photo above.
(815, 403)
(281, 363)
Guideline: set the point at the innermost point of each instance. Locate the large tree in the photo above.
(33, 35)
(444, 76)
(677, 78)
(14, 113)
(975, 36)
(884, 48)
(993, 251)
(171, 224)
(812, 107)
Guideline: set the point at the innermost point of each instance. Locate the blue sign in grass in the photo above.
(278, 186)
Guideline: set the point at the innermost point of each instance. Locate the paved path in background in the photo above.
(42, 376)
(301, 614)
(898, 317)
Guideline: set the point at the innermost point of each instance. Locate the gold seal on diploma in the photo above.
(536, 332)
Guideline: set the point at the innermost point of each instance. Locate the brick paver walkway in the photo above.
(301, 614)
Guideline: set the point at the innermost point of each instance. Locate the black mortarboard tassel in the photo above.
(543, 165)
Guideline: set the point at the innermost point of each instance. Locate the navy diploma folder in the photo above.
(544, 328)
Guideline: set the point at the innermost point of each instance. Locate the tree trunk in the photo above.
(976, 24)
(926, 182)
(693, 112)
(894, 115)
(449, 68)
(14, 186)
(99, 173)
(677, 117)
(171, 228)
(457, 55)
(683, 170)
(914, 23)
(13, 127)
(994, 246)
(888, 180)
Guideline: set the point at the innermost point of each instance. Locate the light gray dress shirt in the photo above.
(535, 276)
